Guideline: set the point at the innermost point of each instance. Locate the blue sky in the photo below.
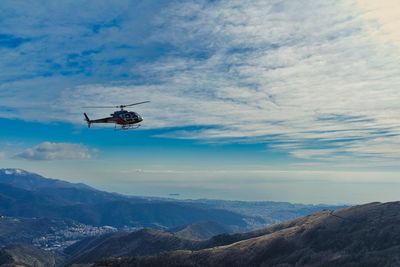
(259, 100)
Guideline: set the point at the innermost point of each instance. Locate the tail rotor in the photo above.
(87, 120)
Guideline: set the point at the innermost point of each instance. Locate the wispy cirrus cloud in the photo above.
(99, 44)
(56, 151)
(267, 73)
(306, 77)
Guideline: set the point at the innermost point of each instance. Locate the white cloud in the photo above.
(56, 151)
(303, 76)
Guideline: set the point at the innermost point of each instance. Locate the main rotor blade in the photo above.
(119, 106)
(101, 107)
(136, 104)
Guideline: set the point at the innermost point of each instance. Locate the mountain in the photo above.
(31, 181)
(365, 235)
(146, 242)
(53, 214)
(25, 230)
(202, 230)
(23, 194)
(57, 190)
(26, 255)
(142, 242)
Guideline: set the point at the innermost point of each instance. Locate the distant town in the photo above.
(62, 235)
(61, 239)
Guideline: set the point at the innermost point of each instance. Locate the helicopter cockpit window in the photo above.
(126, 116)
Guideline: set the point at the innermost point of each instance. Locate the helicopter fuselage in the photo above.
(122, 117)
(126, 119)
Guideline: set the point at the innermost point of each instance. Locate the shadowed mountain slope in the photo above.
(146, 242)
(142, 242)
(25, 230)
(26, 255)
(23, 194)
(366, 235)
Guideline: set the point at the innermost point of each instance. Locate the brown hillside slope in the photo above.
(365, 235)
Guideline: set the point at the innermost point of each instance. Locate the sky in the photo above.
(249, 100)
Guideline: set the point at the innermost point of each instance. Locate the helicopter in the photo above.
(123, 119)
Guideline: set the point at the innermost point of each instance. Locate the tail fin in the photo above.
(87, 119)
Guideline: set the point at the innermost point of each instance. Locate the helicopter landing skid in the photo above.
(126, 127)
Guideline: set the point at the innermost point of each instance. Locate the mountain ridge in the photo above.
(364, 235)
(51, 198)
(29, 180)
(202, 230)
